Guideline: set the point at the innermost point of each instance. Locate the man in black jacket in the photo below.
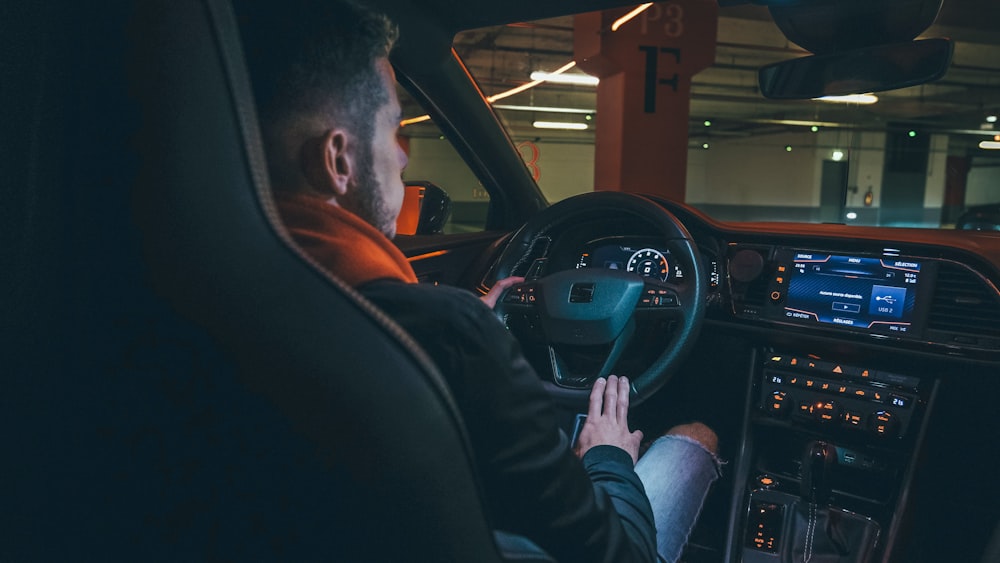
(330, 116)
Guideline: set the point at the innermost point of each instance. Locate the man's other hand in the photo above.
(498, 288)
(607, 419)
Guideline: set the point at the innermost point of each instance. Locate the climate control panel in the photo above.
(826, 394)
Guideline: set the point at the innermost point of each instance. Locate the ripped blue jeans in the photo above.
(676, 472)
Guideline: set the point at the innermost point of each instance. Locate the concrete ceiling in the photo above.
(727, 94)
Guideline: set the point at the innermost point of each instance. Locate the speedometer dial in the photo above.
(650, 263)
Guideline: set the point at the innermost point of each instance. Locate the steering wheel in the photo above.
(596, 307)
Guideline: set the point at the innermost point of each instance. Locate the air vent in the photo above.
(964, 303)
(756, 292)
(750, 273)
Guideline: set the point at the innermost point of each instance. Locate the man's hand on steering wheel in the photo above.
(497, 290)
(607, 418)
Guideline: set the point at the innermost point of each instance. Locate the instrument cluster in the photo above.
(638, 255)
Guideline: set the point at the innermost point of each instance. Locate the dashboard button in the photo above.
(778, 403)
(851, 418)
(824, 411)
(766, 482)
(884, 424)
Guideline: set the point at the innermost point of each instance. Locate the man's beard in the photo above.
(367, 200)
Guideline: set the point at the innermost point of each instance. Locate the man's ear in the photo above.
(328, 163)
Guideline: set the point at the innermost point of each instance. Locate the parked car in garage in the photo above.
(980, 218)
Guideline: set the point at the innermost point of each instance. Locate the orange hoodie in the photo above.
(342, 242)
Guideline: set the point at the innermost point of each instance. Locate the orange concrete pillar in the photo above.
(643, 98)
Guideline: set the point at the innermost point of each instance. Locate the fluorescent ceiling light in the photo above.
(578, 79)
(991, 145)
(546, 109)
(559, 125)
(863, 99)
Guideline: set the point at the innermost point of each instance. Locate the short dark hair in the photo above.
(315, 60)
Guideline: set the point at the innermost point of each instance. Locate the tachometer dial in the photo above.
(649, 262)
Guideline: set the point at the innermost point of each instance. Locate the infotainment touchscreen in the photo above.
(876, 294)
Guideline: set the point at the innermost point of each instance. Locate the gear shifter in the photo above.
(816, 464)
(814, 530)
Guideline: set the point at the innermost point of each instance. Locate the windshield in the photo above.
(915, 157)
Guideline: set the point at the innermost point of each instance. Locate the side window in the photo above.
(432, 159)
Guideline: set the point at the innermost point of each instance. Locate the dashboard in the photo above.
(932, 291)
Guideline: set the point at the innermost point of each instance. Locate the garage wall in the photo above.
(754, 172)
(735, 179)
(983, 184)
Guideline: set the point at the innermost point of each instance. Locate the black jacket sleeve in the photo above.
(535, 486)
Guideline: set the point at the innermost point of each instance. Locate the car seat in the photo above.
(181, 382)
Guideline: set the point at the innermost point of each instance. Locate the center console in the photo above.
(829, 453)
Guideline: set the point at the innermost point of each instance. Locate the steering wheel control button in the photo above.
(656, 297)
(523, 294)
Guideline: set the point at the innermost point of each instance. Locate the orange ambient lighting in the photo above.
(627, 17)
(528, 85)
(413, 120)
(428, 255)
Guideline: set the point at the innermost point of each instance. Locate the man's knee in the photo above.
(699, 433)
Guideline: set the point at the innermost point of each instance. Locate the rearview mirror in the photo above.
(425, 209)
(858, 71)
